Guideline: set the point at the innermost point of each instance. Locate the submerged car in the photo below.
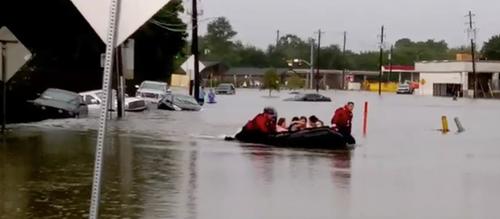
(225, 89)
(152, 91)
(309, 98)
(179, 102)
(56, 103)
(404, 89)
(132, 104)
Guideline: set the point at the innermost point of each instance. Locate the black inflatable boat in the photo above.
(317, 138)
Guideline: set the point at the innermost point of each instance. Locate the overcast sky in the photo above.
(256, 21)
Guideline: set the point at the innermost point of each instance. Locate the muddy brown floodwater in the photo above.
(161, 164)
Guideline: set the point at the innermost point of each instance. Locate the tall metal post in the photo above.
(195, 51)
(101, 134)
(381, 61)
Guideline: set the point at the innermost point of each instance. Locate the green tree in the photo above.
(491, 48)
(160, 41)
(295, 82)
(271, 81)
(217, 44)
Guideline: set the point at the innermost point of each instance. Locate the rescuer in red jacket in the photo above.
(264, 123)
(342, 122)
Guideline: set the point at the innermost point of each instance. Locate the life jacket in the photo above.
(342, 119)
(262, 124)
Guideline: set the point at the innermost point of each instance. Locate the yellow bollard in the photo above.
(444, 122)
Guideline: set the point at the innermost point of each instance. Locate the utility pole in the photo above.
(277, 38)
(4, 80)
(472, 34)
(310, 82)
(390, 63)
(381, 61)
(195, 51)
(317, 60)
(344, 61)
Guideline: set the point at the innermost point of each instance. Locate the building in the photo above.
(447, 78)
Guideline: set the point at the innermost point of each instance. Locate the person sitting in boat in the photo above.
(342, 122)
(314, 122)
(298, 124)
(281, 127)
(264, 123)
(303, 120)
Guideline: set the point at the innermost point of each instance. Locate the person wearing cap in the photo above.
(342, 122)
(263, 123)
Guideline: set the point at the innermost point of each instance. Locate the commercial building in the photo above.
(447, 78)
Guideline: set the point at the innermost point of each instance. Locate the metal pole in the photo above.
(311, 66)
(195, 51)
(381, 61)
(101, 136)
(317, 60)
(344, 61)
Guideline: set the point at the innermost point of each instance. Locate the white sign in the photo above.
(188, 67)
(132, 15)
(17, 53)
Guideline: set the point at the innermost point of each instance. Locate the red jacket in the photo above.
(261, 123)
(342, 119)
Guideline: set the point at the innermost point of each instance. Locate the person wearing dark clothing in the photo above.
(314, 122)
(342, 122)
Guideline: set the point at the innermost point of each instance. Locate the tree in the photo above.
(491, 49)
(295, 82)
(218, 42)
(271, 81)
(159, 42)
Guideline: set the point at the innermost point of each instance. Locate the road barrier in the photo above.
(444, 123)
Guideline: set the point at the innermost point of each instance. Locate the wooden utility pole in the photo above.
(381, 61)
(3, 53)
(317, 60)
(344, 61)
(472, 35)
(195, 51)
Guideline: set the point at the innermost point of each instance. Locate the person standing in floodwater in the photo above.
(342, 122)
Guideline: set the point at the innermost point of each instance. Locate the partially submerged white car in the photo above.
(152, 91)
(132, 104)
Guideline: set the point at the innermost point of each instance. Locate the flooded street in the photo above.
(161, 164)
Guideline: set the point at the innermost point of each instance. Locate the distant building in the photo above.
(446, 78)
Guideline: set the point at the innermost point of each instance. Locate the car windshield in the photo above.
(404, 86)
(184, 99)
(52, 94)
(153, 86)
(224, 86)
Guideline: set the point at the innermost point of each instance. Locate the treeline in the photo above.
(219, 45)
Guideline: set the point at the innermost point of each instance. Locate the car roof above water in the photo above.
(62, 91)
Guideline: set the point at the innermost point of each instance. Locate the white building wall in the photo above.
(439, 78)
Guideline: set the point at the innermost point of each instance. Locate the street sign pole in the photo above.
(4, 81)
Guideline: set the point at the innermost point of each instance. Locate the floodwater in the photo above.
(161, 164)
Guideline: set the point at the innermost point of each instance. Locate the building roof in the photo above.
(457, 66)
(399, 68)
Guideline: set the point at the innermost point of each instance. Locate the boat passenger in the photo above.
(314, 122)
(295, 124)
(342, 122)
(305, 125)
(281, 127)
(263, 123)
